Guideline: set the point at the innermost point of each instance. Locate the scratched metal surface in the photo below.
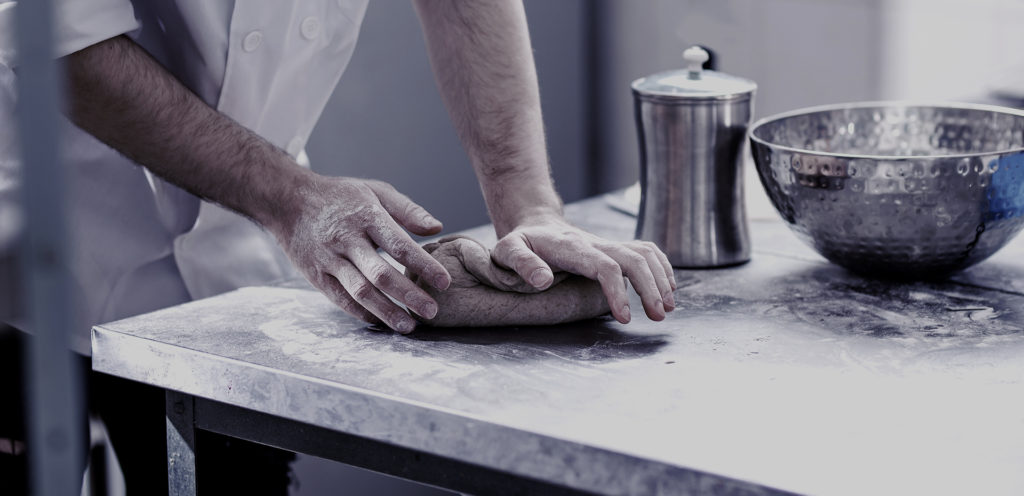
(787, 372)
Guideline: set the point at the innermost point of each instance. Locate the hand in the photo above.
(534, 248)
(338, 224)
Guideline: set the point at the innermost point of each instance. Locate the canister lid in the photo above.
(694, 82)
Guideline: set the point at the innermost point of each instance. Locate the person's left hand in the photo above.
(534, 248)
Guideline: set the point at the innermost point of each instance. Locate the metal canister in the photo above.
(692, 124)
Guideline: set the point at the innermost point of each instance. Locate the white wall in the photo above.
(951, 49)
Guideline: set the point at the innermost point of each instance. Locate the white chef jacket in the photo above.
(140, 243)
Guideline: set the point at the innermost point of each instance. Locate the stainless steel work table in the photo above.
(784, 374)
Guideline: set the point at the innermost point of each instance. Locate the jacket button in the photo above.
(252, 41)
(310, 27)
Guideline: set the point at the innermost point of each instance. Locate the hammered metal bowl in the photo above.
(896, 189)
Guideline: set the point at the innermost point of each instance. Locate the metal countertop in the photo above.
(786, 372)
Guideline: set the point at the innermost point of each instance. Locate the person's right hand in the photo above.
(336, 225)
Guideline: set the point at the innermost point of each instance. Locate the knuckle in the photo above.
(608, 268)
(332, 294)
(505, 243)
(396, 316)
(369, 214)
(523, 256)
(644, 250)
(381, 275)
(412, 209)
(508, 245)
(354, 189)
(357, 218)
(362, 290)
(365, 316)
(569, 245)
(635, 260)
(396, 248)
(342, 187)
(341, 240)
(348, 306)
(525, 266)
(342, 300)
(318, 279)
(381, 185)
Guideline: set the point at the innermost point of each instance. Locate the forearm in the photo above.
(330, 227)
(119, 94)
(481, 55)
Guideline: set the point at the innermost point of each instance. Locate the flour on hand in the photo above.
(484, 294)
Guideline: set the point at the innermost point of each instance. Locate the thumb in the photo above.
(513, 252)
(406, 212)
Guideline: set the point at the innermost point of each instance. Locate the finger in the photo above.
(638, 271)
(370, 298)
(667, 265)
(661, 278)
(332, 289)
(513, 252)
(406, 212)
(389, 280)
(609, 275)
(397, 243)
(585, 260)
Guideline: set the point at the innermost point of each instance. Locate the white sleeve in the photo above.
(77, 25)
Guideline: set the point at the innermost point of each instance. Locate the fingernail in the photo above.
(422, 306)
(429, 310)
(406, 326)
(441, 282)
(540, 277)
(669, 299)
(428, 220)
(625, 313)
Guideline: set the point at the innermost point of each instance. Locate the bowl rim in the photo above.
(883, 104)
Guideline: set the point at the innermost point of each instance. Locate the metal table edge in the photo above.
(558, 449)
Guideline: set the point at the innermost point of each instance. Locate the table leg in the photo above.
(181, 444)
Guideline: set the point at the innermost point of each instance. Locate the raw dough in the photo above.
(483, 294)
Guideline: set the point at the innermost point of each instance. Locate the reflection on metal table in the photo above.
(786, 374)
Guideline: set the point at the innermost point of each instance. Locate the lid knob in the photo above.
(695, 57)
